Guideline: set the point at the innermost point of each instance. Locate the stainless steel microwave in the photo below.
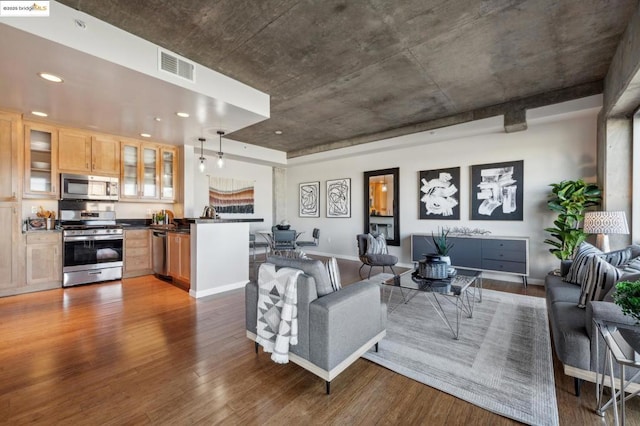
(85, 187)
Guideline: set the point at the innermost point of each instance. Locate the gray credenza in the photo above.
(509, 255)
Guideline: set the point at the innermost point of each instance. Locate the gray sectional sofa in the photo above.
(334, 327)
(572, 327)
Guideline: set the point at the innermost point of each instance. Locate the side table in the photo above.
(622, 347)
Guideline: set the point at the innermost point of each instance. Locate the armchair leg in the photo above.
(360, 271)
(376, 346)
(328, 387)
(577, 384)
(256, 344)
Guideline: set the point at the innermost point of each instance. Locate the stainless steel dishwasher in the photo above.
(159, 253)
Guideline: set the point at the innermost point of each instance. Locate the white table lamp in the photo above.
(603, 224)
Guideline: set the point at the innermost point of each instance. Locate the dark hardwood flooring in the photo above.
(141, 351)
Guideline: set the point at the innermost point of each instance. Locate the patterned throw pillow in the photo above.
(578, 270)
(376, 244)
(334, 273)
(633, 267)
(618, 257)
(600, 277)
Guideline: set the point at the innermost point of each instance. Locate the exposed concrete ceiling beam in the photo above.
(515, 120)
(515, 111)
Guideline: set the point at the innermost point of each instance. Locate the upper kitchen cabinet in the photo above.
(140, 167)
(9, 157)
(40, 161)
(168, 172)
(81, 152)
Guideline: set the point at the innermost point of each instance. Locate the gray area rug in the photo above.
(502, 361)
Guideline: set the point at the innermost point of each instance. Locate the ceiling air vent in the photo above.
(171, 63)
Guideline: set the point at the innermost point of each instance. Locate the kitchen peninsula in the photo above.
(219, 255)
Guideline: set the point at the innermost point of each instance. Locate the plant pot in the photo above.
(434, 257)
(564, 267)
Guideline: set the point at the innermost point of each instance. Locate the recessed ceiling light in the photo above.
(145, 135)
(80, 24)
(50, 77)
(278, 132)
(158, 119)
(182, 114)
(39, 113)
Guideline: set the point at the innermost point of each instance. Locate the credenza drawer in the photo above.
(508, 255)
(515, 245)
(504, 266)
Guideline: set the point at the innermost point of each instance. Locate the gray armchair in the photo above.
(334, 327)
(372, 260)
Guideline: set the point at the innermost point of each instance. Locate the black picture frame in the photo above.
(309, 199)
(339, 197)
(497, 191)
(439, 194)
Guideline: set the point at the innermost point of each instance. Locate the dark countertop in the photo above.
(203, 220)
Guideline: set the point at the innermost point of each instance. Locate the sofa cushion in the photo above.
(608, 297)
(633, 267)
(579, 267)
(559, 291)
(618, 257)
(635, 250)
(312, 267)
(601, 276)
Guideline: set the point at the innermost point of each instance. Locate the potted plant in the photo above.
(627, 296)
(570, 199)
(442, 245)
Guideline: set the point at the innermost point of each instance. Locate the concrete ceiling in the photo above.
(343, 72)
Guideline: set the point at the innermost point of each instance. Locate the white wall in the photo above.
(564, 148)
(260, 174)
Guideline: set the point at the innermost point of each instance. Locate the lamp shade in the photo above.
(605, 223)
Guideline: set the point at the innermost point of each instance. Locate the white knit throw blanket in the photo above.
(277, 326)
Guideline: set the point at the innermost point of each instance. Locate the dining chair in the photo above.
(255, 245)
(314, 243)
(284, 242)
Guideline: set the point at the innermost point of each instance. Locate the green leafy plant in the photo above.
(627, 296)
(441, 243)
(569, 199)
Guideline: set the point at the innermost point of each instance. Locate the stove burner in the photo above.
(82, 227)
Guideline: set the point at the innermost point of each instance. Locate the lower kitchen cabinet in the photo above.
(44, 260)
(10, 257)
(137, 253)
(179, 256)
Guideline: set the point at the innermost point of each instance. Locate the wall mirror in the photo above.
(382, 204)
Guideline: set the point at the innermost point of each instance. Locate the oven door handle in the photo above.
(93, 238)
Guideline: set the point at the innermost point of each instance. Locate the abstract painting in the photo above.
(228, 195)
(439, 194)
(339, 198)
(497, 191)
(309, 199)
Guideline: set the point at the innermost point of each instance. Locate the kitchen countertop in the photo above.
(204, 220)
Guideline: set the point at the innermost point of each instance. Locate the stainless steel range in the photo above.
(93, 243)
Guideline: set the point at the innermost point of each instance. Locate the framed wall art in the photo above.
(496, 191)
(339, 198)
(309, 196)
(439, 194)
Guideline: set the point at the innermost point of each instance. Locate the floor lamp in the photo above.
(603, 224)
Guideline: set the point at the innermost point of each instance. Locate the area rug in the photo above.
(502, 361)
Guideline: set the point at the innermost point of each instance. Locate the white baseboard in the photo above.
(217, 290)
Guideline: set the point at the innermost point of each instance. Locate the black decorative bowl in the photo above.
(283, 227)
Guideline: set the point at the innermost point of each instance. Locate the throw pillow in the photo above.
(618, 257)
(578, 270)
(334, 273)
(632, 267)
(600, 277)
(376, 244)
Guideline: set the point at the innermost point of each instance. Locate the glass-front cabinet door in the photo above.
(41, 147)
(149, 171)
(130, 177)
(168, 173)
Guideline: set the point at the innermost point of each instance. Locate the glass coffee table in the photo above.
(459, 290)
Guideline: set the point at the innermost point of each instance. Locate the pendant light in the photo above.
(203, 160)
(220, 161)
(384, 184)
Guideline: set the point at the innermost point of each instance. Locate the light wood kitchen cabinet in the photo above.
(140, 171)
(80, 152)
(168, 172)
(9, 157)
(40, 161)
(44, 259)
(10, 258)
(137, 252)
(179, 256)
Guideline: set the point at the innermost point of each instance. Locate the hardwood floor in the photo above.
(141, 351)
